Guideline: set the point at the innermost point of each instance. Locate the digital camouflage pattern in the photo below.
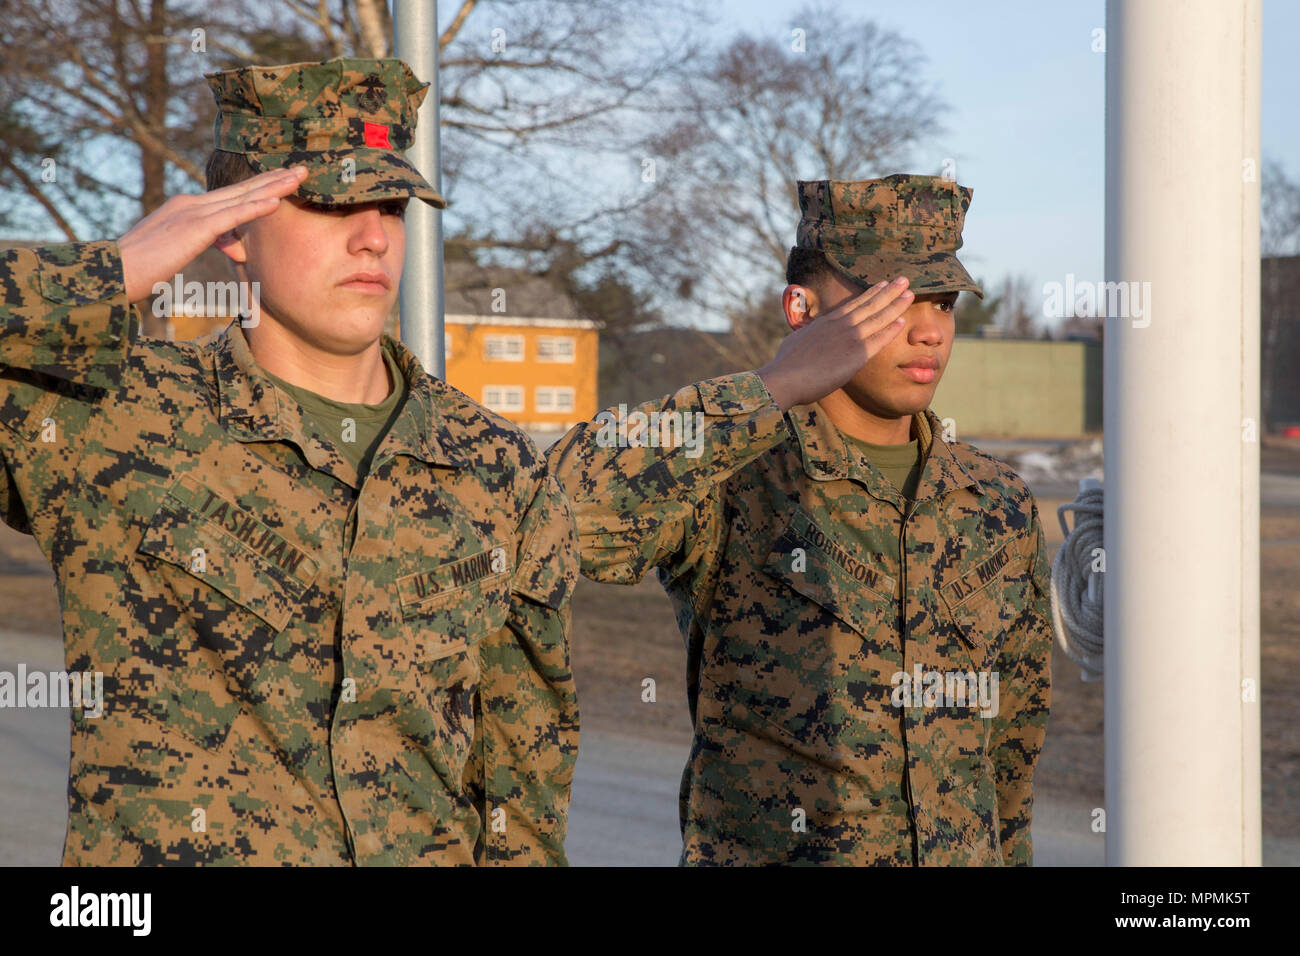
(875, 229)
(347, 120)
(779, 547)
(331, 671)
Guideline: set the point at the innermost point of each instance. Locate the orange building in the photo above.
(538, 372)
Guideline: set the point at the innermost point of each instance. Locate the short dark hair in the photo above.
(807, 267)
(225, 168)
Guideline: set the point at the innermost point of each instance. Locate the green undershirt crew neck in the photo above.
(901, 464)
(370, 422)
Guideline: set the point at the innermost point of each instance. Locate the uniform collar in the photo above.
(826, 456)
(419, 431)
(253, 409)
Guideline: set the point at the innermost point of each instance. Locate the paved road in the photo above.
(33, 763)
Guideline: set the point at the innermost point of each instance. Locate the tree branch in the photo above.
(34, 190)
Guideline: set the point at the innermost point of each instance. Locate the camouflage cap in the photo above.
(347, 120)
(876, 229)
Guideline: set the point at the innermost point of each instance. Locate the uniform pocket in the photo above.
(447, 610)
(851, 586)
(449, 607)
(230, 551)
(26, 402)
(232, 583)
(986, 597)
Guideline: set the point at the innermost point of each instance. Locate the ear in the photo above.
(799, 303)
(231, 243)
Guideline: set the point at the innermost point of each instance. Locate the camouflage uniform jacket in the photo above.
(297, 670)
(780, 549)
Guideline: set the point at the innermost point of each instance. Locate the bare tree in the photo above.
(579, 138)
(375, 27)
(1279, 213)
(90, 77)
(974, 313)
(1019, 309)
(1279, 237)
(1083, 326)
(536, 94)
(831, 98)
(545, 105)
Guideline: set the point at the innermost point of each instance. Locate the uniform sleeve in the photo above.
(1025, 697)
(66, 320)
(638, 479)
(529, 724)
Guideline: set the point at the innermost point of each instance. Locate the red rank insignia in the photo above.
(377, 136)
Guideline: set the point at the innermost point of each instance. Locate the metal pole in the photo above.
(1182, 418)
(415, 40)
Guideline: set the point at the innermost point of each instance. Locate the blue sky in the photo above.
(1027, 121)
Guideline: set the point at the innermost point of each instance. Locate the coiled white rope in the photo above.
(1077, 575)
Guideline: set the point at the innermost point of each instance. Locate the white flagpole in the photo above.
(415, 40)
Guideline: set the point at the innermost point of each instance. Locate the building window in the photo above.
(503, 348)
(556, 348)
(504, 398)
(554, 399)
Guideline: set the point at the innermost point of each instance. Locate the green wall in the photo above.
(1021, 388)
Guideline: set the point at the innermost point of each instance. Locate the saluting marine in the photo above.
(864, 602)
(328, 593)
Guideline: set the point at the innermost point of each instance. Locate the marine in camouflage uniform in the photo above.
(804, 584)
(302, 665)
